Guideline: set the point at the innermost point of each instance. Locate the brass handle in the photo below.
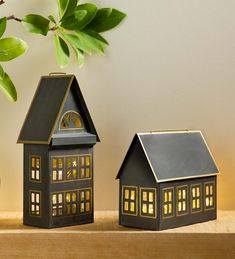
(169, 130)
(57, 73)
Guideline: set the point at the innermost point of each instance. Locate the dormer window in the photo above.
(71, 120)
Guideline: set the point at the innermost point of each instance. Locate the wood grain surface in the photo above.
(106, 239)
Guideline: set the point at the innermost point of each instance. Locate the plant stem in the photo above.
(2, 2)
(12, 17)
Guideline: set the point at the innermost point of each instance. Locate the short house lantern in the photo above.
(58, 136)
(167, 180)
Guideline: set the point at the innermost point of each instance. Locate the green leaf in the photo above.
(79, 57)
(11, 48)
(62, 51)
(36, 24)
(106, 19)
(72, 21)
(96, 36)
(62, 5)
(2, 72)
(69, 9)
(52, 19)
(7, 86)
(3, 24)
(76, 42)
(91, 13)
(91, 42)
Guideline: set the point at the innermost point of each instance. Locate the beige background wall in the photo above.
(170, 65)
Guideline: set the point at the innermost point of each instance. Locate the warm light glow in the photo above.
(150, 208)
(184, 194)
(87, 160)
(54, 198)
(126, 194)
(165, 197)
(68, 197)
(88, 195)
(126, 206)
(37, 163)
(179, 194)
(32, 197)
(33, 162)
(165, 209)
(132, 194)
(60, 198)
(144, 196)
(144, 208)
(132, 206)
(150, 196)
(170, 196)
(179, 206)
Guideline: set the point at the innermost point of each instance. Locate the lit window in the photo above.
(168, 209)
(129, 200)
(209, 195)
(35, 168)
(57, 204)
(71, 168)
(71, 202)
(182, 197)
(85, 166)
(85, 201)
(57, 169)
(35, 203)
(148, 202)
(196, 198)
(71, 121)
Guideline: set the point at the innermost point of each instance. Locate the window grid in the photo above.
(70, 168)
(129, 195)
(85, 201)
(71, 202)
(209, 195)
(148, 202)
(35, 203)
(182, 200)
(35, 168)
(168, 198)
(57, 204)
(71, 120)
(57, 169)
(196, 198)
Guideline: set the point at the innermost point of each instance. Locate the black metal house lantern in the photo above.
(58, 136)
(167, 180)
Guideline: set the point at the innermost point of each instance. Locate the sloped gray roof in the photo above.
(46, 107)
(176, 155)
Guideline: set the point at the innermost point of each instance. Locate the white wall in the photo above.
(170, 65)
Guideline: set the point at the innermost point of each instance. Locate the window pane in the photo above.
(145, 196)
(74, 196)
(165, 209)
(132, 195)
(74, 209)
(54, 198)
(68, 197)
(150, 208)
(184, 194)
(144, 208)
(60, 175)
(198, 203)
(54, 163)
(82, 172)
(165, 197)
(207, 190)
(207, 201)
(68, 208)
(33, 162)
(179, 195)
(60, 198)
(87, 206)
(184, 206)
(198, 191)
(82, 196)
(179, 206)
(88, 195)
(150, 196)
(82, 207)
(33, 174)
(126, 206)
(132, 209)
(170, 196)
(194, 204)
(126, 194)
(87, 160)
(32, 197)
(37, 163)
(37, 198)
(211, 201)
(82, 161)
(37, 175)
(170, 208)
(87, 172)
(74, 162)
(193, 192)
(211, 189)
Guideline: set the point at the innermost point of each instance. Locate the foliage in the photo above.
(78, 29)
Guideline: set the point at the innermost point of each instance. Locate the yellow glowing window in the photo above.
(209, 195)
(57, 204)
(57, 169)
(129, 200)
(87, 160)
(35, 203)
(148, 202)
(71, 203)
(196, 198)
(71, 120)
(35, 169)
(168, 202)
(85, 201)
(182, 200)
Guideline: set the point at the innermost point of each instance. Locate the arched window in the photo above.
(71, 120)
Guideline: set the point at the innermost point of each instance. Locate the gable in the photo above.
(53, 96)
(45, 107)
(135, 168)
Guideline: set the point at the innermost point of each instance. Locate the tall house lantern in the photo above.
(58, 136)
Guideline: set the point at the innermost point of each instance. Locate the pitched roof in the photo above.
(46, 107)
(175, 155)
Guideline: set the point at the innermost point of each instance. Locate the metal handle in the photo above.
(152, 131)
(57, 73)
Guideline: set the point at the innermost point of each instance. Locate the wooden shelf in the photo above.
(106, 239)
